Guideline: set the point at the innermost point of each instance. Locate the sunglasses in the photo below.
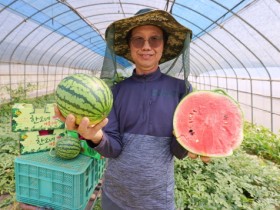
(139, 42)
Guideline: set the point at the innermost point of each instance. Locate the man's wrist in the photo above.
(97, 138)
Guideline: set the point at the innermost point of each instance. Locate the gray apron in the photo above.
(142, 176)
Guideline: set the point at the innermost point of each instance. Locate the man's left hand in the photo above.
(204, 159)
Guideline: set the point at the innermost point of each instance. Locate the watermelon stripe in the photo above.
(94, 81)
(81, 94)
(108, 93)
(72, 147)
(69, 150)
(79, 110)
(72, 104)
(64, 142)
(65, 152)
(66, 111)
(63, 97)
(67, 145)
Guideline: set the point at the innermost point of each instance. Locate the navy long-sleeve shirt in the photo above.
(143, 104)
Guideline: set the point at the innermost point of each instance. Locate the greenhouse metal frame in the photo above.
(235, 46)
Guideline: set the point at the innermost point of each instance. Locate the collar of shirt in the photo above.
(147, 77)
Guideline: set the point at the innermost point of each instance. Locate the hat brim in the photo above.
(116, 33)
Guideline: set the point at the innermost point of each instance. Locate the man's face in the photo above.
(146, 47)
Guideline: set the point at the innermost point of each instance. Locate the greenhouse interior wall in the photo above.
(231, 45)
(235, 46)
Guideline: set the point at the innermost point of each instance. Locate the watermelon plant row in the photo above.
(260, 141)
(246, 180)
(240, 181)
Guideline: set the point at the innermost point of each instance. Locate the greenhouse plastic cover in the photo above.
(235, 44)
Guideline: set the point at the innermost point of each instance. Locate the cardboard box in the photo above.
(26, 118)
(35, 141)
(39, 129)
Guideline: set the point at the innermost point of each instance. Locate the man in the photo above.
(137, 137)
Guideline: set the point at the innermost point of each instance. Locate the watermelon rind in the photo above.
(84, 96)
(209, 123)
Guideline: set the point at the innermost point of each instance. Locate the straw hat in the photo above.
(116, 33)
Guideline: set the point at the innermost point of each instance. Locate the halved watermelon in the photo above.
(208, 123)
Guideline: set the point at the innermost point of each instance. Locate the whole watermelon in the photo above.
(67, 147)
(84, 96)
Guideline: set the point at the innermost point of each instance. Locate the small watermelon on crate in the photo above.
(67, 147)
(209, 123)
(84, 96)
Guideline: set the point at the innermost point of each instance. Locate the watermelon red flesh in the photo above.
(209, 124)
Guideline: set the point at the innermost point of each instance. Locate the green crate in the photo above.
(99, 168)
(46, 181)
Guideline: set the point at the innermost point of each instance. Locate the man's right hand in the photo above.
(93, 133)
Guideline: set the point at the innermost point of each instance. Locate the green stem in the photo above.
(223, 92)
